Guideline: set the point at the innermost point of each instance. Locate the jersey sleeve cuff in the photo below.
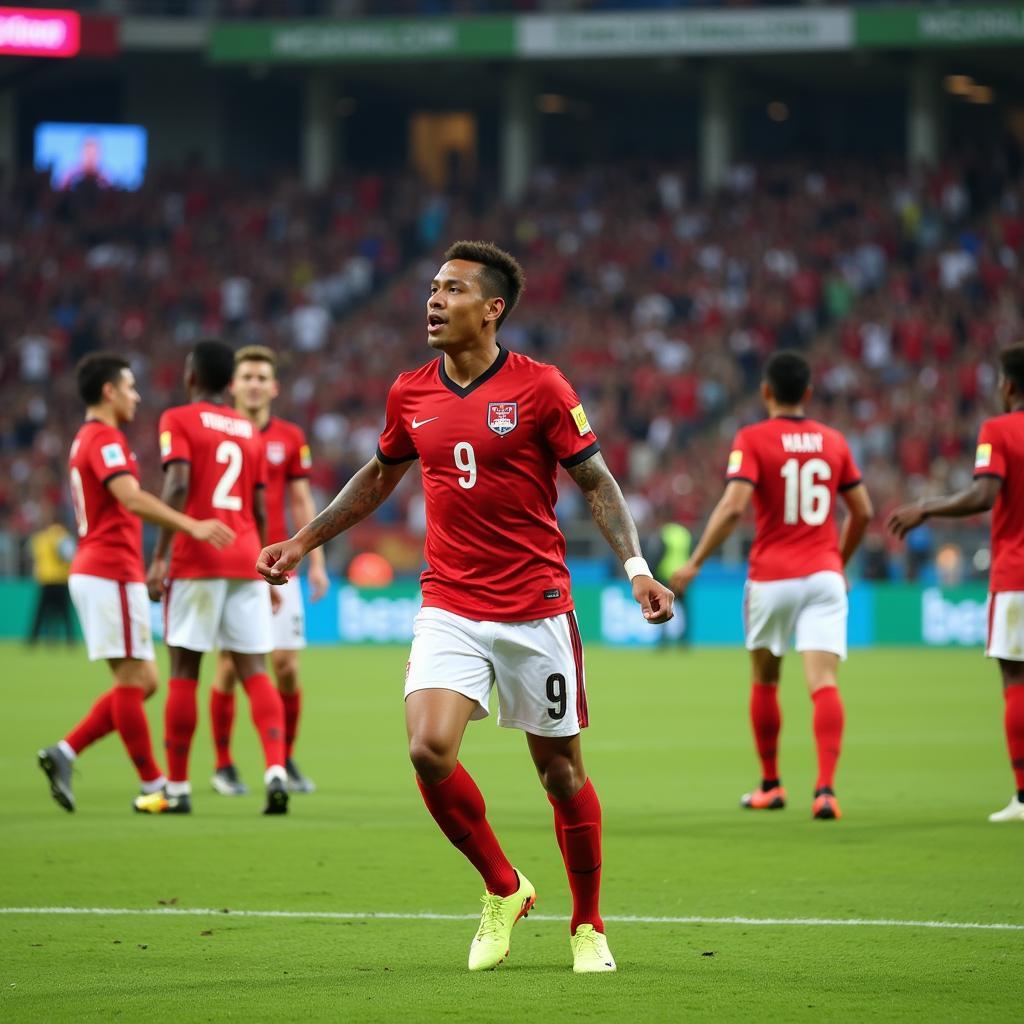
(581, 456)
(994, 476)
(850, 486)
(740, 480)
(171, 462)
(390, 460)
(117, 472)
(298, 476)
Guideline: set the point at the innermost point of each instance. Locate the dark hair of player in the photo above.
(95, 370)
(257, 354)
(788, 375)
(1011, 361)
(502, 275)
(213, 363)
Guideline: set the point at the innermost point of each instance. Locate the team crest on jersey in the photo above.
(502, 417)
(276, 452)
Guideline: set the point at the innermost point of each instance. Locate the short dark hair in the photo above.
(788, 375)
(213, 363)
(1011, 362)
(501, 275)
(95, 370)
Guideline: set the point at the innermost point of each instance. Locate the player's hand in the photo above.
(214, 532)
(156, 579)
(276, 600)
(682, 578)
(655, 600)
(904, 519)
(277, 560)
(318, 582)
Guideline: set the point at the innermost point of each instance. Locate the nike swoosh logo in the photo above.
(416, 424)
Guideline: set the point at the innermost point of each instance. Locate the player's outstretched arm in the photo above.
(125, 488)
(300, 501)
(611, 513)
(858, 504)
(368, 489)
(972, 501)
(726, 514)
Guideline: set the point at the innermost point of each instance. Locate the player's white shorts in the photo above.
(290, 618)
(813, 607)
(1006, 626)
(114, 617)
(537, 667)
(233, 615)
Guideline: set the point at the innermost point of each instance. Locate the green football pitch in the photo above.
(910, 908)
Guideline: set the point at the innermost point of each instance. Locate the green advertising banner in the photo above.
(906, 613)
(918, 27)
(384, 40)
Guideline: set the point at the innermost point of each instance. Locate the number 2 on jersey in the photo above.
(230, 454)
(807, 500)
(465, 462)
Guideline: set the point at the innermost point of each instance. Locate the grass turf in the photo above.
(669, 752)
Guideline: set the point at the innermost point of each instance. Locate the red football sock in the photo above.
(130, 721)
(95, 725)
(292, 707)
(457, 806)
(179, 725)
(828, 732)
(222, 720)
(578, 830)
(766, 719)
(267, 715)
(1014, 720)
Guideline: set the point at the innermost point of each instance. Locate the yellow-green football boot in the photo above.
(491, 943)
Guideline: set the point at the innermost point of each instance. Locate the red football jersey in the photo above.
(288, 458)
(489, 456)
(109, 536)
(225, 453)
(1001, 454)
(797, 466)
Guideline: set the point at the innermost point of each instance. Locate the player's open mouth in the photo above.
(435, 323)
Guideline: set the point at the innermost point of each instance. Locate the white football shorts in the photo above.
(814, 607)
(537, 667)
(290, 618)
(1006, 626)
(114, 617)
(232, 615)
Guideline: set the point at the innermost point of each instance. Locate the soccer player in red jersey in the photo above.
(490, 428)
(213, 462)
(793, 467)
(255, 387)
(107, 575)
(999, 486)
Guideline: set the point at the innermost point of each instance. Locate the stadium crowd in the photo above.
(659, 305)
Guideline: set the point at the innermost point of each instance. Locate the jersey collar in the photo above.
(462, 392)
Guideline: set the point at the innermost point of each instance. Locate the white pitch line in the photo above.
(331, 915)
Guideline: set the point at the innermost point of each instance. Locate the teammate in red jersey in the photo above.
(107, 574)
(793, 467)
(214, 463)
(255, 387)
(490, 428)
(998, 485)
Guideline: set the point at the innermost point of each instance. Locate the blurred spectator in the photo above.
(52, 549)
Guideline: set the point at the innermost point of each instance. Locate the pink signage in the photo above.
(37, 32)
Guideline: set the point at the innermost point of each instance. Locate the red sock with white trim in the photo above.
(828, 733)
(766, 721)
(96, 724)
(133, 727)
(1014, 723)
(179, 727)
(268, 717)
(292, 708)
(578, 831)
(222, 721)
(458, 807)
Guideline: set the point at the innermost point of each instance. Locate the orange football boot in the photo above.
(773, 799)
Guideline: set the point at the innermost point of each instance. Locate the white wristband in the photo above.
(637, 566)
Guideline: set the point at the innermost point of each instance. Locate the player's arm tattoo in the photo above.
(607, 506)
(365, 492)
(175, 494)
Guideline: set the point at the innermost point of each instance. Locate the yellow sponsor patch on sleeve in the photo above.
(580, 419)
(735, 462)
(983, 456)
(305, 457)
(165, 443)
